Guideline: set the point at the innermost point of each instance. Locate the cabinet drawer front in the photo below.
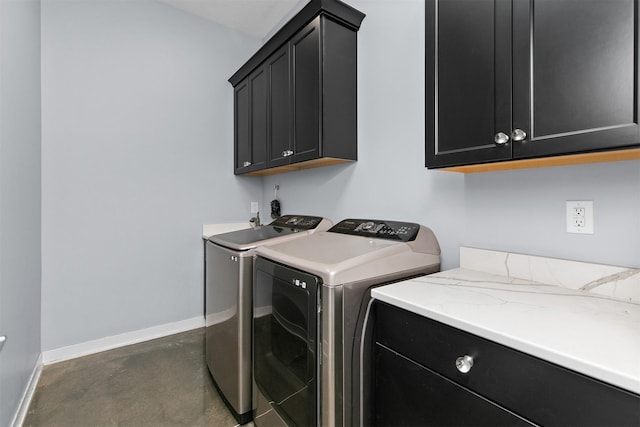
(407, 394)
(542, 392)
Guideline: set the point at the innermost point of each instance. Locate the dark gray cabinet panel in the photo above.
(250, 122)
(339, 125)
(305, 48)
(575, 75)
(466, 101)
(565, 72)
(242, 126)
(280, 110)
(408, 394)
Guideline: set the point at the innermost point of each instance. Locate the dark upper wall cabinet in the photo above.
(508, 80)
(307, 114)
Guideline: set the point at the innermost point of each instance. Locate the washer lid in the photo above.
(286, 225)
(340, 258)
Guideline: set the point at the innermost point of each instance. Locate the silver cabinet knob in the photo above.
(518, 135)
(245, 164)
(287, 153)
(3, 338)
(464, 363)
(501, 138)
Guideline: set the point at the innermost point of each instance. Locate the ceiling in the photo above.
(255, 17)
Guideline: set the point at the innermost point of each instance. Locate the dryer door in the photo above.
(285, 332)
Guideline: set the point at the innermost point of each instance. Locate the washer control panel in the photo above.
(299, 222)
(391, 230)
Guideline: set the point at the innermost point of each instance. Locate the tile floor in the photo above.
(163, 382)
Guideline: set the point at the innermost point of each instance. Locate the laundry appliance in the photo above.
(228, 303)
(310, 299)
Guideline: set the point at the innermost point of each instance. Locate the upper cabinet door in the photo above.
(258, 82)
(575, 75)
(468, 81)
(242, 126)
(278, 76)
(305, 54)
(250, 121)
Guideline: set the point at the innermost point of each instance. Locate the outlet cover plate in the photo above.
(579, 214)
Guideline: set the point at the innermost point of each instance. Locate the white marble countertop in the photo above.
(588, 332)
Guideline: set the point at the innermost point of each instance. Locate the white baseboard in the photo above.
(21, 412)
(108, 343)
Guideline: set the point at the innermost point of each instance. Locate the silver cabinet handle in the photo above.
(287, 153)
(518, 135)
(245, 164)
(464, 363)
(501, 138)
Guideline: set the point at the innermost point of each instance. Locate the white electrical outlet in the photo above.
(254, 207)
(580, 217)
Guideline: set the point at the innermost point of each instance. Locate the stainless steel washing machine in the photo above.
(310, 300)
(228, 303)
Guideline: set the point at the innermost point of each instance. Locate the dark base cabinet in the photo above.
(414, 380)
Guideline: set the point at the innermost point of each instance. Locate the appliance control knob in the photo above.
(464, 363)
(368, 225)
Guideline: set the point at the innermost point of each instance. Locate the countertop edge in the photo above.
(209, 230)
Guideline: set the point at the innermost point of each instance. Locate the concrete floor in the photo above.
(163, 382)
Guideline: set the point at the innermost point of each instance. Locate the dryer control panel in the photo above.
(380, 229)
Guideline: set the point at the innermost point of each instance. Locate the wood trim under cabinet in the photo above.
(316, 163)
(572, 159)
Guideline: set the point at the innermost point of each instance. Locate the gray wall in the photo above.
(137, 154)
(19, 199)
(522, 211)
(137, 120)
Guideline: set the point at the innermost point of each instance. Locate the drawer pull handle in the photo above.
(464, 363)
(246, 164)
